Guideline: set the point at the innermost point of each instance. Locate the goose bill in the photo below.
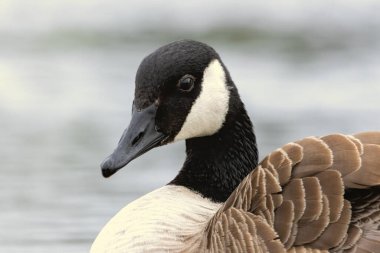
(140, 137)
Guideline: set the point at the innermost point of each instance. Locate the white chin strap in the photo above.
(209, 110)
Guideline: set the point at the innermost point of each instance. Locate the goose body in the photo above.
(318, 194)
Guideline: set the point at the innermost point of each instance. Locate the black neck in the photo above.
(216, 164)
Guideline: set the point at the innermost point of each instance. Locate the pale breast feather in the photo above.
(167, 219)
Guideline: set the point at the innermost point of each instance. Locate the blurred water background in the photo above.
(66, 84)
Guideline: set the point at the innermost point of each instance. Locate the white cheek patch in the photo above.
(209, 110)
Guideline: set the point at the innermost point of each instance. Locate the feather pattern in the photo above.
(313, 195)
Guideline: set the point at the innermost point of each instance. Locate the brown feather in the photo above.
(284, 220)
(313, 198)
(332, 187)
(369, 173)
(294, 152)
(292, 238)
(354, 233)
(369, 137)
(308, 231)
(357, 142)
(295, 192)
(367, 245)
(284, 169)
(345, 153)
(317, 157)
(245, 232)
(336, 231)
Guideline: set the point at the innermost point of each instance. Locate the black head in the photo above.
(182, 92)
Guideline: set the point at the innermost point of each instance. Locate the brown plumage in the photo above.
(314, 195)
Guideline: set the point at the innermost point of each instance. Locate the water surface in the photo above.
(66, 86)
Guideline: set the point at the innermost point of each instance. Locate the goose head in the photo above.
(182, 91)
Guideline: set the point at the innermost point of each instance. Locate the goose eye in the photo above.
(186, 83)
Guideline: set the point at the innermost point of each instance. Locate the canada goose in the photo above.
(313, 195)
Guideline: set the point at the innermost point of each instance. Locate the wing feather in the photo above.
(313, 195)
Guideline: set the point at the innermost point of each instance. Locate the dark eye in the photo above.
(186, 83)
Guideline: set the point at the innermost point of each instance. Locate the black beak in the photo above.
(140, 137)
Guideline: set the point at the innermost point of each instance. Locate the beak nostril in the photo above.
(137, 138)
